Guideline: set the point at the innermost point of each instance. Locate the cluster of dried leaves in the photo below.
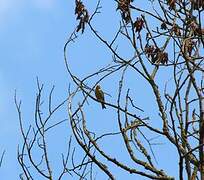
(138, 24)
(124, 7)
(188, 45)
(195, 28)
(82, 15)
(176, 30)
(156, 54)
(195, 4)
(190, 23)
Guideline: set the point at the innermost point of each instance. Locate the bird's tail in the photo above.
(103, 106)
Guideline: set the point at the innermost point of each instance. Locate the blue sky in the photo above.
(32, 35)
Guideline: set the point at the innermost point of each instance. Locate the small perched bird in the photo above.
(100, 96)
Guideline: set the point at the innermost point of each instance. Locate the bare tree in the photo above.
(33, 155)
(168, 37)
(165, 52)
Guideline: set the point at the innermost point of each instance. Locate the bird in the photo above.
(100, 96)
